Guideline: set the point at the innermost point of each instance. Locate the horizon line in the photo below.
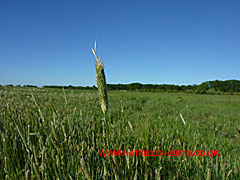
(31, 84)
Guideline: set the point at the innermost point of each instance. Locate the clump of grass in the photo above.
(101, 82)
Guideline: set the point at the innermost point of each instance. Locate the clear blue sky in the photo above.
(162, 41)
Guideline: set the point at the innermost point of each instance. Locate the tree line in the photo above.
(208, 87)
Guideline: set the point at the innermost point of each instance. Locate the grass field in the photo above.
(56, 134)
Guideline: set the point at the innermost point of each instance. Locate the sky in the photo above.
(183, 42)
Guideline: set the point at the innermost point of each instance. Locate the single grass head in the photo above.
(101, 82)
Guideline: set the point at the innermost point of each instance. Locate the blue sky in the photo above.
(48, 42)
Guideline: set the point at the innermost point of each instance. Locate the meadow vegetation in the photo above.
(56, 133)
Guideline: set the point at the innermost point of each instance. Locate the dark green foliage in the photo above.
(217, 87)
(229, 87)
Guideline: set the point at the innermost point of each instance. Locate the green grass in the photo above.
(47, 134)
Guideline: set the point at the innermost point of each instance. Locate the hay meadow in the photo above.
(57, 134)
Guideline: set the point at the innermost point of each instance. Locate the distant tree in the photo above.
(94, 87)
(219, 92)
(211, 91)
(189, 91)
(29, 86)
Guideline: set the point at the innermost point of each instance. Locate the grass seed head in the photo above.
(101, 82)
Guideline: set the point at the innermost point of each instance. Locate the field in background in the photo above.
(49, 132)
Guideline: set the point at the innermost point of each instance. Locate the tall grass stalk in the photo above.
(103, 97)
(102, 89)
